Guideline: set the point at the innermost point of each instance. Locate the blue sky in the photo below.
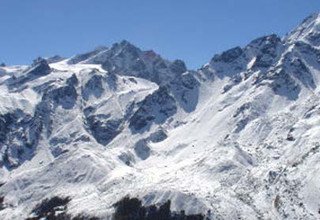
(191, 30)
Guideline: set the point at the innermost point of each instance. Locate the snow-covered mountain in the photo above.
(236, 139)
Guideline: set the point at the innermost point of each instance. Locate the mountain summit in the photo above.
(123, 133)
(308, 30)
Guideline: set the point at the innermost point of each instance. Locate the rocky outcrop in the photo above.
(103, 128)
(154, 109)
(19, 135)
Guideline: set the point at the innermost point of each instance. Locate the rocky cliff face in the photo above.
(236, 139)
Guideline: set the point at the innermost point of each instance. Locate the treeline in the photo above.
(125, 209)
(132, 209)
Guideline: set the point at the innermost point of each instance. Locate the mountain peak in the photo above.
(312, 18)
(125, 47)
(228, 55)
(126, 43)
(268, 39)
(39, 67)
(308, 30)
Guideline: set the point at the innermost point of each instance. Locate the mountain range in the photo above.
(84, 137)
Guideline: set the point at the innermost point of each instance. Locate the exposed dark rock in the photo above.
(314, 38)
(284, 85)
(159, 64)
(228, 56)
(65, 96)
(142, 149)
(242, 109)
(272, 175)
(298, 69)
(178, 67)
(73, 80)
(241, 124)
(138, 65)
(127, 47)
(42, 88)
(302, 72)
(127, 158)
(290, 137)
(266, 50)
(158, 136)
(139, 121)
(281, 82)
(58, 140)
(54, 59)
(185, 89)
(126, 59)
(84, 217)
(244, 114)
(82, 57)
(112, 80)
(234, 80)
(4, 124)
(19, 135)
(94, 87)
(189, 81)
(103, 128)
(155, 108)
(266, 43)
(2, 206)
(39, 68)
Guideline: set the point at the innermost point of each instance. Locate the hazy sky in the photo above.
(191, 30)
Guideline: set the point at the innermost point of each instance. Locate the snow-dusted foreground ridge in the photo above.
(237, 139)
